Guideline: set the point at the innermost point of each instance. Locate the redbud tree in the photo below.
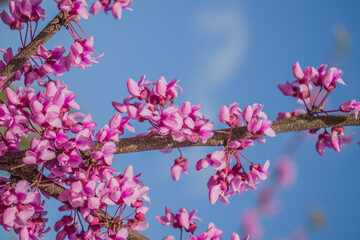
(70, 157)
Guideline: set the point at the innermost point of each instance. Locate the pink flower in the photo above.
(116, 8)
(168, 219)
(106, 153)
(330, 77)
(309, 74)
(217, 160)
(182, 219)
(211, 233)
(80, 52)
(138, 89)
(334, 141)
(181, 165)
(231, 115)
(258, 173)
(119, 123)
(289, 89)
(257, 126)
(349, 106)
(42, 150)
(74, 8)
(122, 234)
(83, 140)
(23, 11)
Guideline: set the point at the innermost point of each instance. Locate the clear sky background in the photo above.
(226, 51)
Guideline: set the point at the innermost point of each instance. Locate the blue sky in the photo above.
(225, 51)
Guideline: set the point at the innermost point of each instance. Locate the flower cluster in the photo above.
(45, 62)
(185, 221)
(182, 123)
(309, 78)
(23, 211)
(254, 117)
(74, 9)
(334, 140)
(303, 88)
(349, 106)
(22, 11)
(93, 184)
(62, 138)
(116, 7)
(231, 180)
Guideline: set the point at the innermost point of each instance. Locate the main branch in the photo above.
(297, 123)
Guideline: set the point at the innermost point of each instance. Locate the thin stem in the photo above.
(82, 30)
(317, 96)
(309, 95)
(245, 157)
(26, 33)
(323, 100)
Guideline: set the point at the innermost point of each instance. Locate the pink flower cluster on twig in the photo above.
(304, 89)
(158, 108)
(231, 180)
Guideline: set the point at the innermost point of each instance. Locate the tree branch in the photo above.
(20, 59)
(12, 161)
(297, 123)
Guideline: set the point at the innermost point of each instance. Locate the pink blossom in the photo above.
(41, 150)
(349, 106)
(289, 89)
(168, 219)
(122, 234)
(83, 140)
(330, 78)
(106, 153)
(74, 8)
(181, 165)
(334, 141)
(215, 160)
(309, 74)
(115, 8)
(211, 233)
(231, 115)
(23, 11)
(138, 89)
(81, 51)
(258, 173)
(55, 62)
(182, 219)
(256, 126)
